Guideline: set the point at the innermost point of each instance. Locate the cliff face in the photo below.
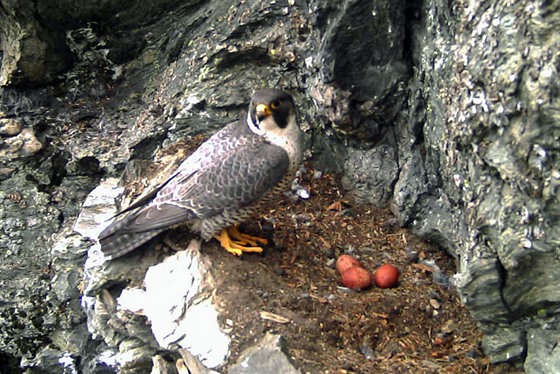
(447, 112)
(487, 76)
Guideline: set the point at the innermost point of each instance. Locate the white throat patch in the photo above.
(254, 128)
(288, 138)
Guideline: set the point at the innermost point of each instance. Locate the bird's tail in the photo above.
(121, 243)
(139, 224)
(117, 241)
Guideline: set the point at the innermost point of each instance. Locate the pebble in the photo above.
(303, 193)
(448, 327)
(411, 254)
(441, 279)
(10, 126)
(317, 174)
(435, 304)
(367, 351)
(22, 145)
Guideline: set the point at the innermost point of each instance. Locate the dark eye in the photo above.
(275, 104)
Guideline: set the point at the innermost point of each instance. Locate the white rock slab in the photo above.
(178, 302)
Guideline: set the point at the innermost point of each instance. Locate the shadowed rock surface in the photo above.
(447, 112)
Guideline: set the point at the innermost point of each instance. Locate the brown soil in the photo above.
(293, 290)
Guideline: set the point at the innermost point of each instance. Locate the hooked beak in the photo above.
(262, 111)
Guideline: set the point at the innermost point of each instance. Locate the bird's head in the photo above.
(272, 112)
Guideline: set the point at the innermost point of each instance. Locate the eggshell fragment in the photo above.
(345, 262)
(386, 276)
(356, 278)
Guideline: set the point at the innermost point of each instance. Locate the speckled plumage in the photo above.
(221, 183)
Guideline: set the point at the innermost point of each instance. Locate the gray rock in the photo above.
(71, 341)
(24, 144)
(162, 366)
(36, 54)
(505, 341)
(375, 188)
(266, 357)
(10, 126)
(543, 354)
(189, 362)
(51, 360)
(65, 283)
(487, 205)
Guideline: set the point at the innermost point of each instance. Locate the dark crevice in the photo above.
(255, 55)
(116, 289)
(413, 13)
(145, 149)
(88, 165)
(57, 172)
(9, 364)
(502, 271)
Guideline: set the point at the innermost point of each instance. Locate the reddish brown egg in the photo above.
(386, 276)
(356, 278)
(345, 262)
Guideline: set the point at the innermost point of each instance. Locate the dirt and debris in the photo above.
(293, 289)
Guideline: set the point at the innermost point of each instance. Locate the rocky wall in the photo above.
(446, 111)
(487, 76)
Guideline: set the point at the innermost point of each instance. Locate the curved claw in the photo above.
(236, 242)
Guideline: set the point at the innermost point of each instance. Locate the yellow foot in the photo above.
(245, 239)
(235, 242)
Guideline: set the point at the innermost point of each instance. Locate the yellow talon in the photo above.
(235, 242)
(244, 239)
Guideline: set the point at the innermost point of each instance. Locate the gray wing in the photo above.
(226, 173)
(148, 215)
(232, 169)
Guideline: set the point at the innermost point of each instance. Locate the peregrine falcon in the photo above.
(222, 183)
